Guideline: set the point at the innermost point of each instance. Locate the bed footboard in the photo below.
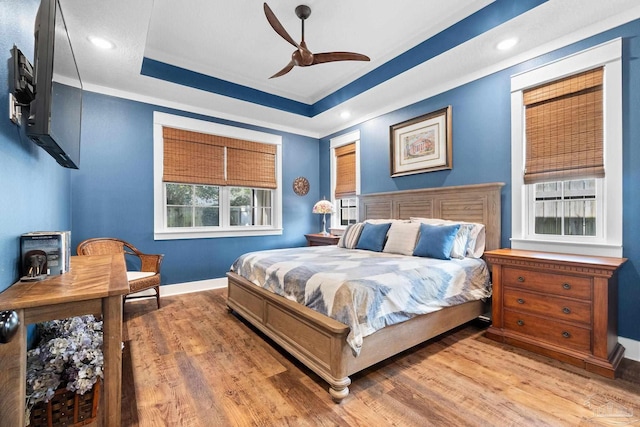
(319, 342)
(315, 340)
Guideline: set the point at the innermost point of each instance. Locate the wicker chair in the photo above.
(149, 275)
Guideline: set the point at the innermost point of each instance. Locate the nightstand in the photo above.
(560, 305)
(318, 239)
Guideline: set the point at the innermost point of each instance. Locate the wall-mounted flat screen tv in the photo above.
(55, 113)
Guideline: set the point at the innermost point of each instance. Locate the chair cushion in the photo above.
(135, 275)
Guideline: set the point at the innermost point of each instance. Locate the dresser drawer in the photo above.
(545, 305)
(552, 283)
(549, 330)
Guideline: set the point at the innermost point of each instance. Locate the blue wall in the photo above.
(34, 189)
(111, 195)
(481, 112)
(113, 190)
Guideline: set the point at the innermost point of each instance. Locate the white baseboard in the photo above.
(632, 348)
(186, 288)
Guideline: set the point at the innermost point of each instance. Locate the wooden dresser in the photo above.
(559, 305)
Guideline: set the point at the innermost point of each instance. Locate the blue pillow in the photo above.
(436, 241)
(373, 236)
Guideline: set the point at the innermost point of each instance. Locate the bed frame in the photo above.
(319, 342)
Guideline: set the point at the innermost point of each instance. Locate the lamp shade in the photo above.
(322, 207)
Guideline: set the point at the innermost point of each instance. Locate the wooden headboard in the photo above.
(473, 203)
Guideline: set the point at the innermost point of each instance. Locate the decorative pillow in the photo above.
(476, 235)
(477, 241)
(401, 238)
(436, 241)
(350, 237)
(373, 236)
(459, 249)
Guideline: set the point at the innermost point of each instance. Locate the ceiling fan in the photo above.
(303, 57)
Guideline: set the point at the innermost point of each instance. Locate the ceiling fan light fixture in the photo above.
(507, 44)
(101, 42)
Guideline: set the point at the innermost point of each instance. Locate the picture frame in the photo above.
(422, 144)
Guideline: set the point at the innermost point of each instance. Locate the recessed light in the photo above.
(507, 44)
(101, 43)
(345, 114)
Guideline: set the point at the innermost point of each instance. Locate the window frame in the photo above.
(609, 243)
(339, 141)
(161, 231)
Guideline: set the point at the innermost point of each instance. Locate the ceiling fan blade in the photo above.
(319, 58)
(284, 71)
(277, 26)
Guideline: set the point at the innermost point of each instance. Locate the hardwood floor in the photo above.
(192, 363)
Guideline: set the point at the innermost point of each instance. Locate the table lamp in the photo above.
(323, 207)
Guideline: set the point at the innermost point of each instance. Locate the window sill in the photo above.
(579, 248)
(208, 234)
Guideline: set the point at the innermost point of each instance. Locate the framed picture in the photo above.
(422, 144)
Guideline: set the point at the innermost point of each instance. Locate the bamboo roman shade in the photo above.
(564, 130)
(345, 171)
(199, 158)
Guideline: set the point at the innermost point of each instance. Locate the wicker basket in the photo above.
(67, 408)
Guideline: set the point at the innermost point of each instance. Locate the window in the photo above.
(345, 178)
(348, 211)
(567, 154)
(249, 206)
(214, 180)
(566, 208)
(192, 205)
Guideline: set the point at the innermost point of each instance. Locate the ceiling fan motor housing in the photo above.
(303, 11)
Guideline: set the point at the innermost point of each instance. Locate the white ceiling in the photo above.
(232, 41)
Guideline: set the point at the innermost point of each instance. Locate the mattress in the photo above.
(363, 289)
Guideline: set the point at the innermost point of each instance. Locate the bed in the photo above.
(320, 342)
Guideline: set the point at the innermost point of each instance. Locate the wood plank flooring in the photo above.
(193, 363)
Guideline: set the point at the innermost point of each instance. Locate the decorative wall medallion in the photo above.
(301, 186)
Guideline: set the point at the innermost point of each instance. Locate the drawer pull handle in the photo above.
(520, 279)
(566, 286)
(566, 310)
(520, 301)
(566, 334)
(520, 322)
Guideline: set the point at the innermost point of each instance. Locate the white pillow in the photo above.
(401, 238)
(475, 236)
(387, 221)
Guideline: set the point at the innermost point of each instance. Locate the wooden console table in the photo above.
(94, 285)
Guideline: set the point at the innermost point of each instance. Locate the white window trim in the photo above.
(160, 232)
(609, 55)
(334, 143)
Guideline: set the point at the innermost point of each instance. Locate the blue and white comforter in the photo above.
(362, 289)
